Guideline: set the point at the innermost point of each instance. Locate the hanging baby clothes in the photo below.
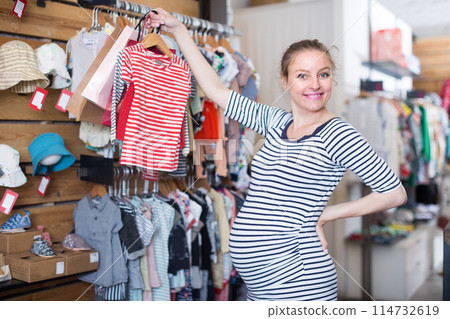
(162, 218)
(162, 86)
(129, 234)
(148, 263)
(82, 50)
(99, 223)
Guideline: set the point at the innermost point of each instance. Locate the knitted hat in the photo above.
(19, 69)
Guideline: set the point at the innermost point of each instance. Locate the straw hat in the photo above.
(19, 69)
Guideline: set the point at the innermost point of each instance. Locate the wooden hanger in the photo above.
(226, 181)
(182, 186)
(108, 19)
(171, 184)
(211, 41)
(164, 189)
(225, 44)
(200, 41)
(122, 22)
(98, 190)
(202, 182)
(154, 40)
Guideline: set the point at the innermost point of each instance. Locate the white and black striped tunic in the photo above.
(273, 242)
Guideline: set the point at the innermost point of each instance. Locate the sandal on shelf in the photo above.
(41, 248)
(46, 237)
(75, 242)
(16, 223)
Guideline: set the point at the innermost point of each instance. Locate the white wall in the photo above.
(355, 48)
(267, 32)
(356, 45)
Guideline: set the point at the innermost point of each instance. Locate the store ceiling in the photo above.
(427, 18)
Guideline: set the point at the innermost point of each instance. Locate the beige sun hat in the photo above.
(19, 70)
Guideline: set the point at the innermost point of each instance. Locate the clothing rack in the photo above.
(190, 22)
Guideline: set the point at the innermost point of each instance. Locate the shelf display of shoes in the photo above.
(16, 223)
(41, 247)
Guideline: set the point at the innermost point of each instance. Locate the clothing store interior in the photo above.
(121, 180)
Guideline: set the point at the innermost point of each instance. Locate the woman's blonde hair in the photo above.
(301, 46)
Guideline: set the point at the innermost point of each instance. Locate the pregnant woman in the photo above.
(277, 242)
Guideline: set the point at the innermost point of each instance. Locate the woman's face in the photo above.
(309, 81)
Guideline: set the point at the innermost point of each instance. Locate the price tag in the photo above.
(8, 201)
(63, 100)
(60, 268)
(19, 8)
(93, 257)
(38, 98)
(45, 180)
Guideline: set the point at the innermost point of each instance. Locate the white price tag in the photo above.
(94, 257)
(43, 185)
(37, 99)
(18, 8)
(60, 268)
(8, 202)
(63, 100)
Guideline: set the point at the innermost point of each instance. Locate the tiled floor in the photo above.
(431, 290)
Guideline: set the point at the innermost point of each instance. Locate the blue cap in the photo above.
(45, 145)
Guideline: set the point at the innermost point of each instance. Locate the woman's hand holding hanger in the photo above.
(204, 74)
(165, 20)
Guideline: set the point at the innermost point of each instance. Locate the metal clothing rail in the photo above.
(191, 22)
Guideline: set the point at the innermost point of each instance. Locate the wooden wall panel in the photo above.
(64, 186)
(50, 22)
(434, 56)
(431, 46)
(187, 7)
(21, 135)
(428, 85)
(19, 125)
(15, 107)
(17, 290)
(32, 42)
(82, 291)
(435, 71)
(53, 22)
(57, 220)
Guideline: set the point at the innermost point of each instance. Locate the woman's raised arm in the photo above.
(204, 74)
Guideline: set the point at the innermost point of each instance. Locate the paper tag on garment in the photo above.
(160, 63)
(38, 99)
(60, 268)
(109, 28)
(89, 42)
(63, 100)
(45, 180)
(8, 201)
(19, 8)
(93, 257)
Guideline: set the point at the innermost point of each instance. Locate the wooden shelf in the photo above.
(390, 68)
